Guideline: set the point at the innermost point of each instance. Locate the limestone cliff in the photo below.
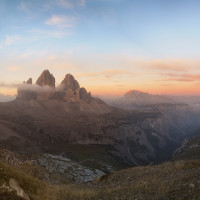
(46, 79)
(68, 91)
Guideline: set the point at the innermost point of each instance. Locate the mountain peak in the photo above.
(70, 82)
(134, 92)
(29, 81)
(46, 79)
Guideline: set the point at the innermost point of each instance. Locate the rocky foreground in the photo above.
(172, 180)
(178, 179)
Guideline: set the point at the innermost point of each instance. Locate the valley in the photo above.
(64, 135)
(99, 100)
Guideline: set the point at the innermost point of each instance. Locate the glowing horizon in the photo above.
(109, 46)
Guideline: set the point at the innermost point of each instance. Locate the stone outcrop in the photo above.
(46, 79)
(14, 189)
(68, 91)
(69, 82)
(29, 81)
(87, 97)
(15, 186)
(70, 88)
(25, 92)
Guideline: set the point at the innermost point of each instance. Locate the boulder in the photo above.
(15, 186)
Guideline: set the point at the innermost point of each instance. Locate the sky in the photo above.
(110, 46)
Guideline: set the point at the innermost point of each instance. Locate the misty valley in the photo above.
(63, 143)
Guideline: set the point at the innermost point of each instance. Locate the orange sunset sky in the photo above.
(109, 46)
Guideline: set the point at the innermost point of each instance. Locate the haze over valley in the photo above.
(99, 100)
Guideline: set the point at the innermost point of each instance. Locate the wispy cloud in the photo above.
(159, 65)
(8, 85)
(65, 3)
(106, 74)
(22, 6)
(35, 8)
(120, 85)
(69, 4)
(11, 39)
(82, 2)
(50, 33)
(167, 65)
(28, 8)
(14, 68)
(62, 21)
(181, 77)
(111, 73)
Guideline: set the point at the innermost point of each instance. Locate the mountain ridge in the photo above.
(43, 118)
(68, 91)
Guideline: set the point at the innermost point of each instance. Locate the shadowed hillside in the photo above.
(44, 116)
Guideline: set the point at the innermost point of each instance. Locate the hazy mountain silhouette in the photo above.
(44, 115)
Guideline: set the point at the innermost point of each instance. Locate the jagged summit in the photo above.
(68, 91)
(69, 82)
(136, 92)
(29, 81)
(46, 79)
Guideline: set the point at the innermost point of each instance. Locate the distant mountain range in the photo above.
(6, 98)
(57, 122)
(134, 99)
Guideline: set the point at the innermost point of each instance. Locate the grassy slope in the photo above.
(172, 180)
(38, 189)
(191, 149)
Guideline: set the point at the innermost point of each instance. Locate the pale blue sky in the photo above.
(126, 44)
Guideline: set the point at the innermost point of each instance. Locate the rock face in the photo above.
(46, 79)
(72, 170)
(69, 92)
(70, 114)
(190, 148)
(25, 92)
(134, 137)
(87, 97)
(29, 81)
(70, 87)
(70, 83)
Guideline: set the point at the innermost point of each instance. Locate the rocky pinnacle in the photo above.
(69, 82)
(46, 79)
